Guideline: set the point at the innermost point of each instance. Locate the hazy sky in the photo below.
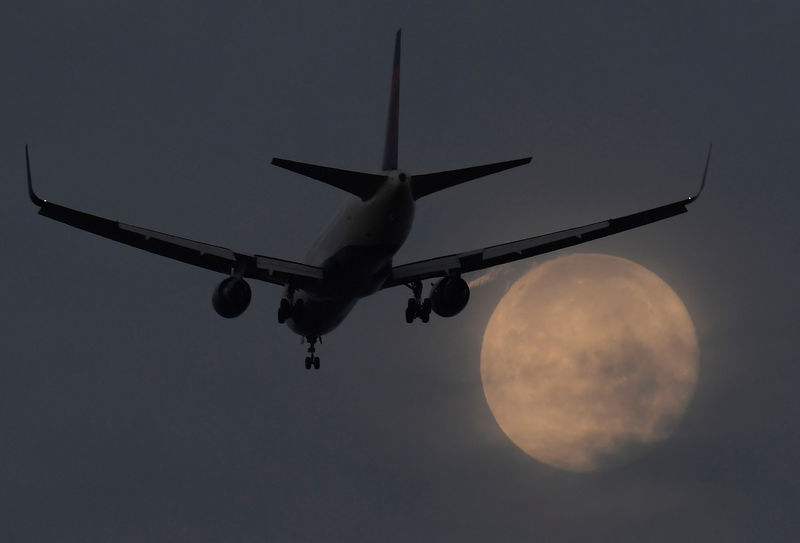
(129, 411)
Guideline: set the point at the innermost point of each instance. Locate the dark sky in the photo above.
(129, 411)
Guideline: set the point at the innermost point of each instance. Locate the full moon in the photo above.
(588, 359)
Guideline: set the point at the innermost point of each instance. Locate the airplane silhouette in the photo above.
(353, 256)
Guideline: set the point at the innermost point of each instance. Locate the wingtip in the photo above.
(34, 198)
(521, 161)
(705, 173)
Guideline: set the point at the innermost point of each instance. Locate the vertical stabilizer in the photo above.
(392, 122)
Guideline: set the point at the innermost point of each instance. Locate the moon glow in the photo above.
(587, 359)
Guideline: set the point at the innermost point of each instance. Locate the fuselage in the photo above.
(355, 252)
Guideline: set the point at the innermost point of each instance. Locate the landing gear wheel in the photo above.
(417, 307)
(425, 311)
(312, 359)
(411, 310)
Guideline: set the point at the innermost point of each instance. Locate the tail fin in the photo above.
(392, 122)
(423, 185)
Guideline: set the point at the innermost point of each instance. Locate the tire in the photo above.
(410, 315)
(425, 312)
(308, 362)
(316, 362)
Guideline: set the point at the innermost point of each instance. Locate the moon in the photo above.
(587, 360)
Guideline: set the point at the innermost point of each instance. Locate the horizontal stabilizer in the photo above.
(363, 185)
(423, 185)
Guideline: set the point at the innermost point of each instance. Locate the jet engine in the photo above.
(231, 297)
(449, 296)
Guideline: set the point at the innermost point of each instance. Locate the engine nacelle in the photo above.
(231, 297)
(449, 296)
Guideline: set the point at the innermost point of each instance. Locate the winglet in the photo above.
(35, 199)
(392, 121)
(705, 173)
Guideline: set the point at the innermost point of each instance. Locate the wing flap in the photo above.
(286, 268)
(191, 252)
(196, 253)
(525, 248)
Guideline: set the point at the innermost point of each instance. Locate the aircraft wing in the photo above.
(487, 257)
(204, 255)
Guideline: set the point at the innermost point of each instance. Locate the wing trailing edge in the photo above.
(197, 253)
(480, 259)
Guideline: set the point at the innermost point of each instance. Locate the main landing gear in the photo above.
(417, 307)
(311, 359)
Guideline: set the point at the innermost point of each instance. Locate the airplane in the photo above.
(352, 258)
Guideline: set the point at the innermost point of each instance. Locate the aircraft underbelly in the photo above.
(355, 253)
(351, 273)
(321, 316)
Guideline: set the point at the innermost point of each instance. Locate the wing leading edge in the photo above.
(203, 255)
(525, 248)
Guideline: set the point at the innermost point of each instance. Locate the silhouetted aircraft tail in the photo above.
(422, 185)
(365, 185)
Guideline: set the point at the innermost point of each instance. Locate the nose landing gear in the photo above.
(312, 359)
(417, 307)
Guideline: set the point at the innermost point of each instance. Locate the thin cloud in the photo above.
(493, 274)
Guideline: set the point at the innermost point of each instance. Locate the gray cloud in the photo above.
(129, 411)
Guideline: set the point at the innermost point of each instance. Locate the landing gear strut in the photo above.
(312, 359)
(417, 307)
